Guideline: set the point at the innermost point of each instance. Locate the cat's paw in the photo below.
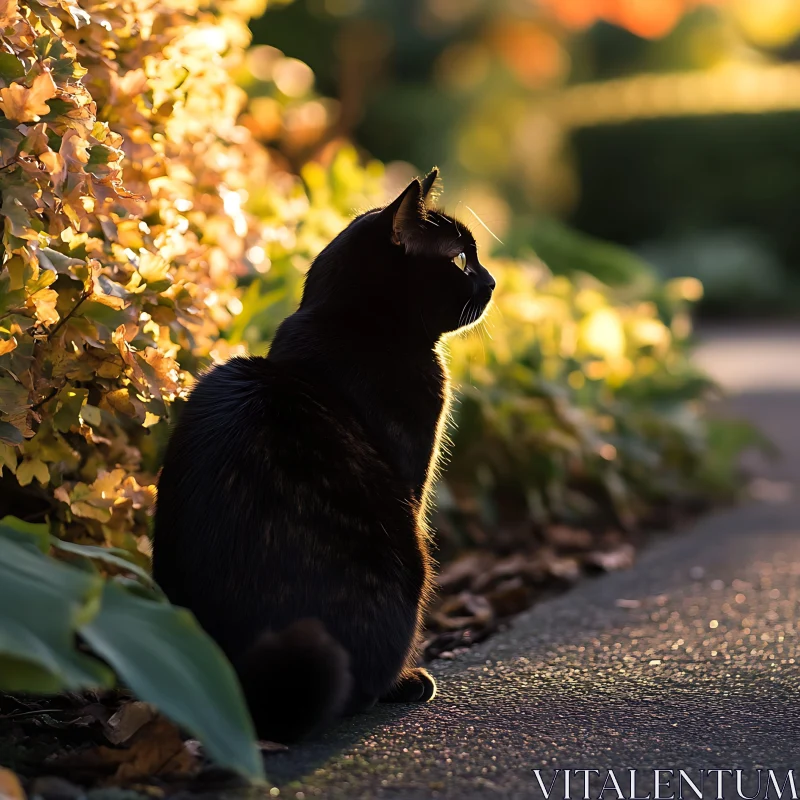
(414, 686)
(429, 685)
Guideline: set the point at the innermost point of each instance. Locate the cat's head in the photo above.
(408, 267)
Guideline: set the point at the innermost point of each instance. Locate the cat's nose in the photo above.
(490, 283)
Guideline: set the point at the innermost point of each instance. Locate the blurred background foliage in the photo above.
(668, 127)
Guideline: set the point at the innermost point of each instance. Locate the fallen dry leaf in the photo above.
(10, 787)
(265, 746)
(155, 749)
(562, 537)
(510, 597)
(619, 558)
(518, 564)
(460, 574)
(566, 569)
(770, 491)
(127, 721)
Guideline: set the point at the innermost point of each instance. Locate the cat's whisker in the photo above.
(422, 320)
(470, 314)
(489, 230)
(467, 312)
(461, 315)
(455, 222)
(485, 323)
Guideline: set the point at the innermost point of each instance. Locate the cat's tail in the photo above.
(295, 681)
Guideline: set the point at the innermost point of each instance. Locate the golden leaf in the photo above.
(56, 166)
(74, 150)
(30, 469)
(164, 222)
(22, 104)
(45, 302)
(8, 457)
(82, 509)
(8, 12)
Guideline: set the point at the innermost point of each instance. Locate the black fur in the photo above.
(291, 514)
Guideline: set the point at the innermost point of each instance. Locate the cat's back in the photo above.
(229, 406)
(255, 431)
(252, 400)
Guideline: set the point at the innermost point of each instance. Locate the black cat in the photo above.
(291, 514)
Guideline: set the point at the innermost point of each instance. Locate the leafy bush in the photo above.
(122, 176)
(582, 407)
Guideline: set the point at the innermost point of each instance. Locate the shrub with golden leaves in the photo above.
(122, 179)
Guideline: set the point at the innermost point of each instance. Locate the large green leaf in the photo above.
(162, 654)
(157, 649)
(29, 534)
(113, 556)
(42, 604)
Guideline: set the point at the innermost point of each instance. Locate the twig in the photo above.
(84, 296)
(53, 392)
(34, 713)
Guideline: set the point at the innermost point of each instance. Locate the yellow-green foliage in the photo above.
(579, 403)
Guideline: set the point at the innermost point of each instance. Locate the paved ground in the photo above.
(687, 661)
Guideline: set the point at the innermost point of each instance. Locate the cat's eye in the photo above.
(460, 261)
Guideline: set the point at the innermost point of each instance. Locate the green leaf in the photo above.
(91, 415)
(100, 154)
(42, 604)
(164, 656)
(113, 288)
(10, 434)
(69, 408)
(114, 556)
(98, 312)
(23, 675)
(53, 259)
(11, 68)
(26, 533)
(10, 137)
(13, 396)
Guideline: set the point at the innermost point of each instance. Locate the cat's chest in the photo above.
(408, 421)
(415, 400)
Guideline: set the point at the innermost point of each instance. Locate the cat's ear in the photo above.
(428, 183)
(407, 212)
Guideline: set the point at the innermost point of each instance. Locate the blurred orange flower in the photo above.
(530, 51)
(647, 18)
